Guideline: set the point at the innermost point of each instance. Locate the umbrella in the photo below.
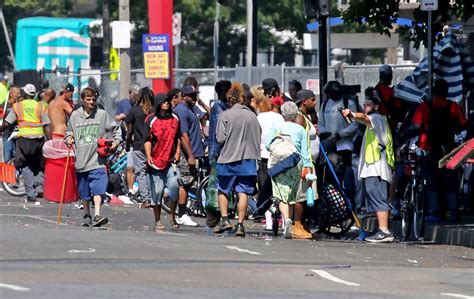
(451, 61)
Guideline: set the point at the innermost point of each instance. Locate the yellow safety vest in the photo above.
(29, 115)
(372, 151)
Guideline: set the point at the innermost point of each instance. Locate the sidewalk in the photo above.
(461, 234)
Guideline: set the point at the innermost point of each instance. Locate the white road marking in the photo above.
(13, 287)
(172, 234)
(243, 250)
(46, 220)
(88, 250)
(456, 295)
(326, 275)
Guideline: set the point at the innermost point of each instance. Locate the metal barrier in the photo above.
(364, 75)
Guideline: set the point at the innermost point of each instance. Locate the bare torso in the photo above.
(58, 110)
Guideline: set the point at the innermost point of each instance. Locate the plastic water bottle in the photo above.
(310, 192)
(135, 186)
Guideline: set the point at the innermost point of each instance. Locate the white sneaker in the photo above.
(287, 233)
(186, 221)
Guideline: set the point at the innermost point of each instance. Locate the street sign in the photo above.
(429, 5)
(176, 27)
(156, 60)
(121, 34)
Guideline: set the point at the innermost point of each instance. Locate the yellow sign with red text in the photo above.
(156, 65)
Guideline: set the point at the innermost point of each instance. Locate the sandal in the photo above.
(174, 224)
(159, 226)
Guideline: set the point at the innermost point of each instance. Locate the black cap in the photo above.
(303, 95)
(189, 89)
(67, 87)
(333, 86)
(270, 83)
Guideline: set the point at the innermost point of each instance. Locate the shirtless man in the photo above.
(58, 111)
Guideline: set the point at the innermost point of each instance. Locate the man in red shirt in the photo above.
(438, 121)
(392, 107)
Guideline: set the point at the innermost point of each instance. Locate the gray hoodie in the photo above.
(86, 129)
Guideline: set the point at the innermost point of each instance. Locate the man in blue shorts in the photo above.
(238, 132)
(86, 125)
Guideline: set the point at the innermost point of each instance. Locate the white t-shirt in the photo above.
(380, 168)
(267, 120)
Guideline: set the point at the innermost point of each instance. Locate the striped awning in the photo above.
(451, 62)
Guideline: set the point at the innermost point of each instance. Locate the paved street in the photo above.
(39, 259)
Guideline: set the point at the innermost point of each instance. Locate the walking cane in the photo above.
(63, 190)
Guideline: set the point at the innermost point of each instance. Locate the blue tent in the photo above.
(451, 61)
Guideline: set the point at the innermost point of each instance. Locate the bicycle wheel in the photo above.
(17, 189)
(405, 211)
(337, 229)
(419, 212)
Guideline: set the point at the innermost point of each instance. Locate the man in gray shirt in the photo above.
(86, 125)
(238, 131)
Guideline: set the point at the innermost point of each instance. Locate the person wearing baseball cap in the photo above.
(191, 141)
(32, 119)
(271, 89)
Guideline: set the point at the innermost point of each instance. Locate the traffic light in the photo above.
(316, 8)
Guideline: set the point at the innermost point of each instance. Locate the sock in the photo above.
(131, 191)
(385, 231)
(181, 209)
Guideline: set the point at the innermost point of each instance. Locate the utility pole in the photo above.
(254, 32)
(124, 15)
(7, 38)
(249, 32)
(323, 54)
(105, 32)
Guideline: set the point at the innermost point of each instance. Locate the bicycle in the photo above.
(17, 189)
(413, 200)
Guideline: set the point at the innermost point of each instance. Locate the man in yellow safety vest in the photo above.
(376, 164)
(32, 119)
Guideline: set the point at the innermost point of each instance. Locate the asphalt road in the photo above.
(40, 259)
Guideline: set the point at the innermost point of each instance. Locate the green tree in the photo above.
(382, 14)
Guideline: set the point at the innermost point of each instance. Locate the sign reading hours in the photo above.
(156, 60)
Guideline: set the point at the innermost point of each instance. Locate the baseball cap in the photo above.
(189, 89)
(333, 86)
(385, 69)
(67, 87)
(277, 102)
(270, 83)
(29, 89)
(303, 95)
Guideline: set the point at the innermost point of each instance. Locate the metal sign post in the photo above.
(430, 5)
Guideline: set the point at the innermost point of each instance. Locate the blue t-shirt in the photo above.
(124, 106)
(189, 123)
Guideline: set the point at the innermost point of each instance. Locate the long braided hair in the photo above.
(145, 100)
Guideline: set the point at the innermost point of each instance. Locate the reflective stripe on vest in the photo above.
(29, 116)
(372, 150)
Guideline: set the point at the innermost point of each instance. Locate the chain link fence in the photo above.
(108, 85)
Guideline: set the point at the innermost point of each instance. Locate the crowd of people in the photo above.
(257, 141)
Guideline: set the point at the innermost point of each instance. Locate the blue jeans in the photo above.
(8, 149)
(161, 180)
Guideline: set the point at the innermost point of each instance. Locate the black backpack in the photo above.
(441, 127)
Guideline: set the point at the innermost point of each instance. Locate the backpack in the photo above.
(440, 129)
(283, 154)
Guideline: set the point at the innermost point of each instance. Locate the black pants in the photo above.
(264, 187)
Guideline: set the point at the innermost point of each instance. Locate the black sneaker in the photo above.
(30, 199)
(99, 220)
(240, 230)
(381, 237)
(87, 221)
(224, 225)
